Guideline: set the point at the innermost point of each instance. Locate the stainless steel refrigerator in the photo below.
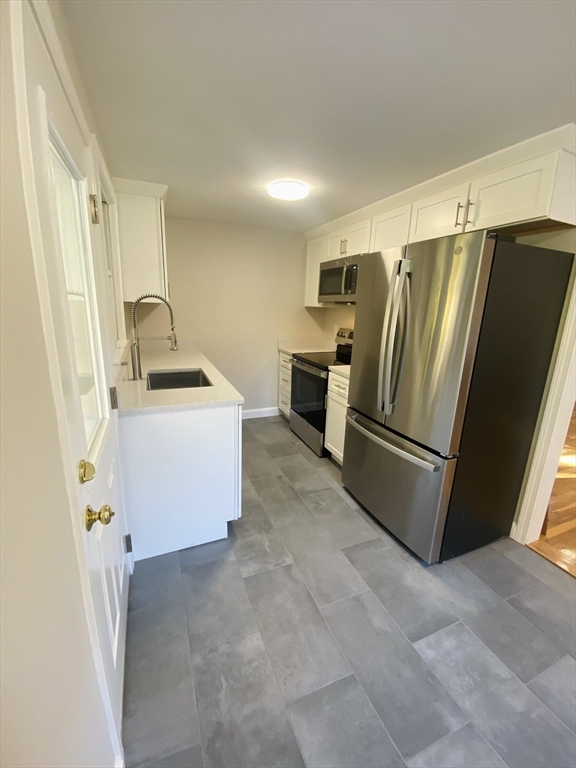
(453, 342)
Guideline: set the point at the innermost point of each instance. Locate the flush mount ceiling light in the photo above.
(287, 189)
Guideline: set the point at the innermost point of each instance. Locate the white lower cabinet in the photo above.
(284, 383)
(181, 476)
(336, 406)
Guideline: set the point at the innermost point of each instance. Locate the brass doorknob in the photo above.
(104, 515)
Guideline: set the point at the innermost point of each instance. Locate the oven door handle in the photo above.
(309, 368)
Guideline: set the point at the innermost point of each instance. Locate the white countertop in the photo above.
(341, 370)
(135, 398)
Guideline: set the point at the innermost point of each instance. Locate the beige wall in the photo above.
(237, 290)
(51, 709)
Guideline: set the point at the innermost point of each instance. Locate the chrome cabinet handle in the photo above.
(469, 205)
(457, 223)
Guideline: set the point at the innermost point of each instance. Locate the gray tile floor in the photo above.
(310, 637)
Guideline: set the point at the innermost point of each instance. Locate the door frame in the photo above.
(550, 435)
(106, 189)
(43, 18)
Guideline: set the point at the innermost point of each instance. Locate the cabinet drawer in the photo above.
(284, 401)
(285, 378)
(286, 359)
(338, 386)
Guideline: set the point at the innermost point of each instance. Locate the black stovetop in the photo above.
(324, 359)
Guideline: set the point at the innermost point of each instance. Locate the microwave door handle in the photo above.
(343, 286)
(380, 397)
(405, 331)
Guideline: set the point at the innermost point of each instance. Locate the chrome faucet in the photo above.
(135, 348)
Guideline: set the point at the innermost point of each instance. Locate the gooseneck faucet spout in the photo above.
(135, 348)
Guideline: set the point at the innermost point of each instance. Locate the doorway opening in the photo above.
(557, 541)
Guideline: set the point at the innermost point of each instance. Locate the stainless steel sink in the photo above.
(182, 379)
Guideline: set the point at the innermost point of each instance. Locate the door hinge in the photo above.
(94, 209)
(128, 543)
(114, 398)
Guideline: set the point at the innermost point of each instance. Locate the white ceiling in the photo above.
(359, 99)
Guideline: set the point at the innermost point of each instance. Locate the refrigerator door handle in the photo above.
(380, 397)
(405, 269)
(427, 465)
(406, 329)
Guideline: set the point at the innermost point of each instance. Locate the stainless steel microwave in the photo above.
(338, 280)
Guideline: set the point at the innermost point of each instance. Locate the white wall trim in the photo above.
(48, 30)
(259, 413)
(551, 433)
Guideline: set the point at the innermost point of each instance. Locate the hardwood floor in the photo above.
(557, 541)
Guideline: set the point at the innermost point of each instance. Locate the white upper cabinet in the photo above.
(357, 237)
(142, 240)
(390, 229)
(316, 253)
(514, 194)
(350, 240)
(336, 245)
(440, 214)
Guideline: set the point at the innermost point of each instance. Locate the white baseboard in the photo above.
(259, 413)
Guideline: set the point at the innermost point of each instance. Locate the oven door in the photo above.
(331, 286)
(308, 404)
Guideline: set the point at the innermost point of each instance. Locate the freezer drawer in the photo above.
(405, 487)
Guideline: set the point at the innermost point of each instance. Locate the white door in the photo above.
(439, 215)
(74, 305)
(390, 229)
(316, 253)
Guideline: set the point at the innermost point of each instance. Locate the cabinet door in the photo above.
(336, 245)
(317, 252)
(390, 229)
(141, 233)
(439, 215)
(357, 237)
(335, 426)
(517, 193)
